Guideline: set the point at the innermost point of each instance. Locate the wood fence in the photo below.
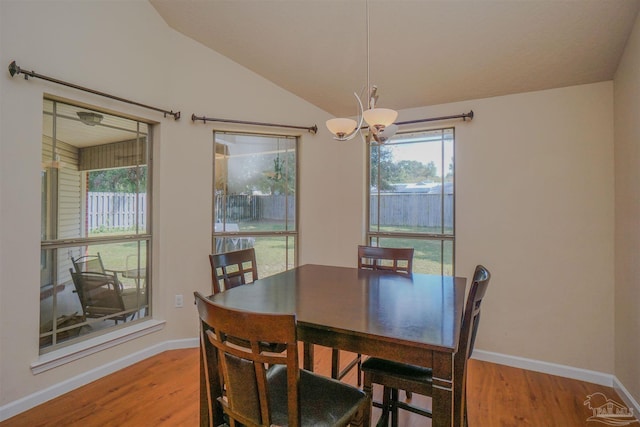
(413, 209)
(239, 208)
(399, 209)
(116, 211)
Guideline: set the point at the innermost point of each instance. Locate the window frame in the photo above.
(287, 233)
(373, 237)
(51, 243)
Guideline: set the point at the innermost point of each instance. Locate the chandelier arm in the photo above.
(360, 120)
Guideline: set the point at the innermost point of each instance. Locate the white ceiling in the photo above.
(421, 52)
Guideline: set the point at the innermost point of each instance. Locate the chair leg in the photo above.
(394, 407)
(409, 394)
(359, 369)
(368, 390)
(386, 406)
(362, 418)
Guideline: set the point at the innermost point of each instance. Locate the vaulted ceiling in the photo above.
(421, 52)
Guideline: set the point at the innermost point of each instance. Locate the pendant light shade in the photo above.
(379, 118)
(341, 127)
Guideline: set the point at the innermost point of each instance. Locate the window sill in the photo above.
(94, 345)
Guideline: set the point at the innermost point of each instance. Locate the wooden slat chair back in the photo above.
(399, 260)
(231, 269)
(264, 388)
(399, 376)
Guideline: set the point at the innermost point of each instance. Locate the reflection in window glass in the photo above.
(95, 178)
(411, 197)
(255, 196)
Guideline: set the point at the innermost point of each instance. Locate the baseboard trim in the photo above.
(626, 396)
(545, 367)
(16, 407)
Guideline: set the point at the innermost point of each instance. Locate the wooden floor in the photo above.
(163, 391)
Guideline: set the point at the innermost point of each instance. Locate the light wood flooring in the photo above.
(163, 391)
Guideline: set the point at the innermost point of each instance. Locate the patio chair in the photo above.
(102, 295)
(91, 264)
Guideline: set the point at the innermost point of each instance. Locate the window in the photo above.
(96, 239)
(255, 198)
(411, 197)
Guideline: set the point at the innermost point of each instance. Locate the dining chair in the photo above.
(394, 376)
(233, 269)
(236, 268)
(397, 260)
(264, 388)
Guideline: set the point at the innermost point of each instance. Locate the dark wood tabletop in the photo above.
(412, 319)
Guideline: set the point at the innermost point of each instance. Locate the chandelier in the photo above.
(379, 120)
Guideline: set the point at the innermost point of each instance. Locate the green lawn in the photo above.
(271, 250)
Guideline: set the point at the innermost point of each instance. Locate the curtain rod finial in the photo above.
(13, 69)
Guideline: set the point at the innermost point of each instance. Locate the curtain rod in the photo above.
(15, 69)
(313, 129)
(463, 116)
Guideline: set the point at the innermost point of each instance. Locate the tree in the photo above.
(408, 171)
(382, 164)
(119, 180)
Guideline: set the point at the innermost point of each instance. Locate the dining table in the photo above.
(413, 318)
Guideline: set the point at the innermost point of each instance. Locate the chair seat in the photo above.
(401, 370)
(323, 401)
(131, 299)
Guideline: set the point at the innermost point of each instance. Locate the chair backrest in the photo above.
(399, 260)
(233, 269)
(244, 372)
(468, 330)
(100, 294)
(88, 264)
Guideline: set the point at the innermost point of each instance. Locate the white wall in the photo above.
(627, 246)
(126, 49)
(534, 185)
